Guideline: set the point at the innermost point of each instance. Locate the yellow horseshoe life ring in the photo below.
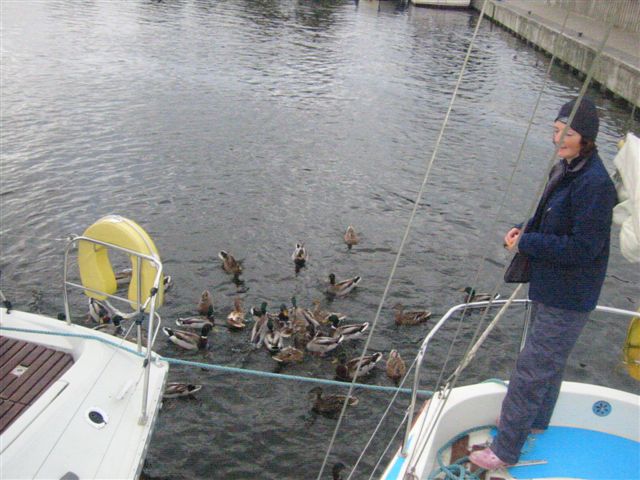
(631, 348)
(95, 267)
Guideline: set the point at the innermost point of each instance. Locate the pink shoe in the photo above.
(486, 459)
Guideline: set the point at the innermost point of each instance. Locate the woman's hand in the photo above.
(511, 239)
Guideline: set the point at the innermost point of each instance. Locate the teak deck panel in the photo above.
(18, 392)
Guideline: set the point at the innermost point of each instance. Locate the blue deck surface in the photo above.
(578, 453)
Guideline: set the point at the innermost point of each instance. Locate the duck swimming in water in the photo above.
(299, 256)
(473, 296)
(329, 404)
(188, 340)
(346, 369)
(176, 389)
(235, 319)
(229, 263)
(410, 318)
(205, 304)
(321, 344)
(350, 331)
(396, 368)
(351, 237)
(340, 289)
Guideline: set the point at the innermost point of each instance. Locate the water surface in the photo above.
(251, 125)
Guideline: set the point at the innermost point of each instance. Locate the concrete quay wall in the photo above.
(618, 69)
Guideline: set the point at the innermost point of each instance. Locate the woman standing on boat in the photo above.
(567, 242)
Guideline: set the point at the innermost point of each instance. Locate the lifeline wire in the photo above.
(406, 234)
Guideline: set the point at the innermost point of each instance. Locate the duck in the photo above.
(229, 263)
(410, 318)
(473, 296)
(303, 319)
(340, 289)
(322, 316)
(349, 332)
(260, 327)
(320, 344)
(346, 369)
(396, 368)
(124, 276)
(281, 321)
(101, 311)
(289, 355)
(299, 256)
(235, 319)
(351, 237)
(176, 389)
(336, 471)
(112, 326)
(329, 404)
(188, 340)
(194, 323)
(167, 282)
(205, 304)
(273, 338)
(98, 311)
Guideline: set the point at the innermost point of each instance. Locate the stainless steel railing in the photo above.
(140, 307)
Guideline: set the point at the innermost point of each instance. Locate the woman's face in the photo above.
(570, 147)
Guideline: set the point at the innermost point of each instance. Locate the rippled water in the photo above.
(251, 125)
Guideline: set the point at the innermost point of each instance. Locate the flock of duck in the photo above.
(288, 334)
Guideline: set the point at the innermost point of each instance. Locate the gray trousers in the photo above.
(535, 382)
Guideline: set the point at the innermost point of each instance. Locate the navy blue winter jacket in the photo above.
(570, 249)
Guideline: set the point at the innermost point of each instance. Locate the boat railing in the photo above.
(148, 307)
(463, 307)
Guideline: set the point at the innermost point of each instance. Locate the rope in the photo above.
(221, 368)
(405, 235)
(456, 470)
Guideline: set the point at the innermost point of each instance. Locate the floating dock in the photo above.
(539, 23)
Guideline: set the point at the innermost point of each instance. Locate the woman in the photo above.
(567, 241)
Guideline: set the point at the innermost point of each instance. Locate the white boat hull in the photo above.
(54, 437)
(475, 405)
(442, 3)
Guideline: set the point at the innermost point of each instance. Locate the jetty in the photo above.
(539, 23)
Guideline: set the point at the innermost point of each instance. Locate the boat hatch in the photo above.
(28, 369)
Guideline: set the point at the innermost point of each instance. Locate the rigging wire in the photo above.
(406, 233)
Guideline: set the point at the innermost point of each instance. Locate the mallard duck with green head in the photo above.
(177, 389)
(188, 340)
(343, 287)
(322, 345)
(414, 317)
(472, 296)
(348, 331)
(329, 404)
(346, 369)
(273, 338)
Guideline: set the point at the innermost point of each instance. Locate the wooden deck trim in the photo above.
(17, 392)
